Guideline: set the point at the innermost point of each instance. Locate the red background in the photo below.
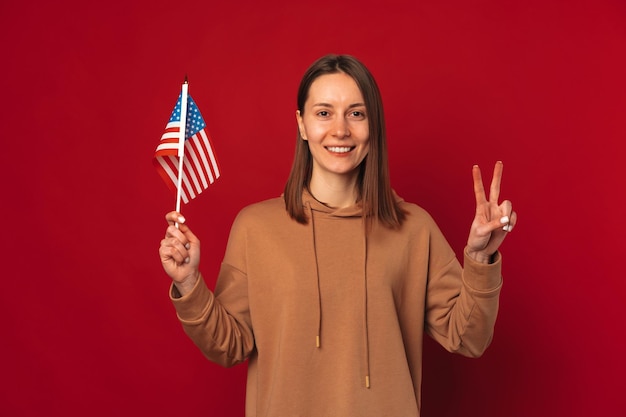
(87, 90)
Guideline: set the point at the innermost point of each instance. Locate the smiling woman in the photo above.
(334, 78)
(87, 327)
(334, 122)
(327, 292)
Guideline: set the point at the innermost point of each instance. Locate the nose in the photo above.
(341, 128)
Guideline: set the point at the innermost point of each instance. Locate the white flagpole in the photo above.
(181, 141)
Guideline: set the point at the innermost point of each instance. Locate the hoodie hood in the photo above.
(312, 204)
(355, 210)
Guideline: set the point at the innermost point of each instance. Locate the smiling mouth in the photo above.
(340, 149)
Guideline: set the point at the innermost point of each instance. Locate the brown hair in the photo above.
(374, 188)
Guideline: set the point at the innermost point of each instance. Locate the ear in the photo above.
(301, 125)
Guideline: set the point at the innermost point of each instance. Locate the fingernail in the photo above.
(507, 228)
(187, 245)
(504, 219)
(181, 219)
(187, 260)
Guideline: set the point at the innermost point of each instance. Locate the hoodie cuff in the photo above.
(483, 278)
(193, 305)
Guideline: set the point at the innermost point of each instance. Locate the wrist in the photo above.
(480, 257)
(187, 285)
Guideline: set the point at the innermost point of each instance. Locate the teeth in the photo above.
(339, 149)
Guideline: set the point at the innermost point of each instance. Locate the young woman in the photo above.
(328, 290)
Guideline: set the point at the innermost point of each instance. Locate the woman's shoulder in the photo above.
(271, 205)
(413, 209)
(268, 210)
(415, 214)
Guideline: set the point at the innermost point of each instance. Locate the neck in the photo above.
(338, 193)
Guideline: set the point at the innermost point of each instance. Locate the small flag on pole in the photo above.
(200, 167)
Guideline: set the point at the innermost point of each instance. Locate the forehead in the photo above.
(334, 88)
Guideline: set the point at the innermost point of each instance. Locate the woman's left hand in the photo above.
(492, 221)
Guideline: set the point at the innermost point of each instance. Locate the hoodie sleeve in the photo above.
(461, 303)
(219, 323)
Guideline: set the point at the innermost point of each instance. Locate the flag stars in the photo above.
(201, 168)
(194, 122)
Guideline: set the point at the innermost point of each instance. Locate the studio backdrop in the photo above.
(88, 88)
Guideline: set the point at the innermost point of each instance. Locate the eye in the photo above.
(323, 113)
(357, 114)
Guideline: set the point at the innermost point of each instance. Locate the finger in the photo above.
(173, 249)
(178, 221)
(174, 217)
(506, 210)
(479, 189)
(513, 221)
(173, 233)
(499, 218)
(186, 238)
(182, 232)
(494, 191)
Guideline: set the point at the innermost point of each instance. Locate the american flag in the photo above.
(200, 167)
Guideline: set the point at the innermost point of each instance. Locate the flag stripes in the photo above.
(200, 166)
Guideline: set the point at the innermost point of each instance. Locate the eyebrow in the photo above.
(351, 106)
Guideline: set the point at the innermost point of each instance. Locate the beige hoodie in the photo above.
(331, 320)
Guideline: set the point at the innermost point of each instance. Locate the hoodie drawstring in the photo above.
(318, 341)
(365, 327)
(366, 352)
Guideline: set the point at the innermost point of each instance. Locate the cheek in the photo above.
(366, 150)
(313, 130)
(364, 133)
(366, 145)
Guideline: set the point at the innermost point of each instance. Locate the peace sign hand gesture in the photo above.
(492, 221)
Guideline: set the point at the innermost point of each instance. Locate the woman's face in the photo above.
(335, 124)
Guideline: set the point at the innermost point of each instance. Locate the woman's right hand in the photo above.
(180, 253)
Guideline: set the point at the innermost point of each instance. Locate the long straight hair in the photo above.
(373, 184)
